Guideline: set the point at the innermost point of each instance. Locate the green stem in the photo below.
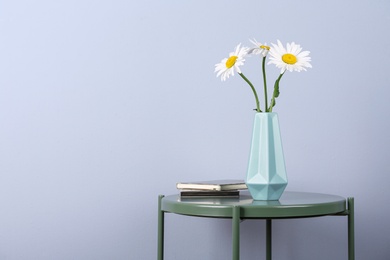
(265, 86)
(254, 92)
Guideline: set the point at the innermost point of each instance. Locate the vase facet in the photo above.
(266, 177)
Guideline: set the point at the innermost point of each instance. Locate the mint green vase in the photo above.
(266, 177)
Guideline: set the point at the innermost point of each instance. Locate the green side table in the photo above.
(290, 205)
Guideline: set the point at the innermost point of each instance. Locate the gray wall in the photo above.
(106, 104)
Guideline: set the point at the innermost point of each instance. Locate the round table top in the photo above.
(290, 205)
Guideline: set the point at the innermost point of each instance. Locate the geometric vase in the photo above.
(266, 177)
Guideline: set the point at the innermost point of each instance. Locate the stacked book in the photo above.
(207, 189)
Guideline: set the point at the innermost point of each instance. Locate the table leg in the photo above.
(236, 232)
(351, 229)
(160, 231)
(269, 239)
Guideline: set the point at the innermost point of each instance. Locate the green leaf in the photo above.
(276, 93)
(276, 87)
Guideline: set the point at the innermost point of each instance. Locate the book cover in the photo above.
(213, 185)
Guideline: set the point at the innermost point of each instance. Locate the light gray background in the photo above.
(106, 104)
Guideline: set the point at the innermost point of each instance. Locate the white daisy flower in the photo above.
(290, 58)
(228, 65)
(259, 48)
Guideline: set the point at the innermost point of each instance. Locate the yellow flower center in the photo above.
(265, 47)
(231, 61)
(289, 58)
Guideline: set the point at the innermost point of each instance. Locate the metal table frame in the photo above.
(290, 205)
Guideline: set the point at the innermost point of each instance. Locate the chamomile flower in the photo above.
(228, 65)
(259, 48)
(290, 58)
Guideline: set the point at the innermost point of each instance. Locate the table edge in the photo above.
(255, 212)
